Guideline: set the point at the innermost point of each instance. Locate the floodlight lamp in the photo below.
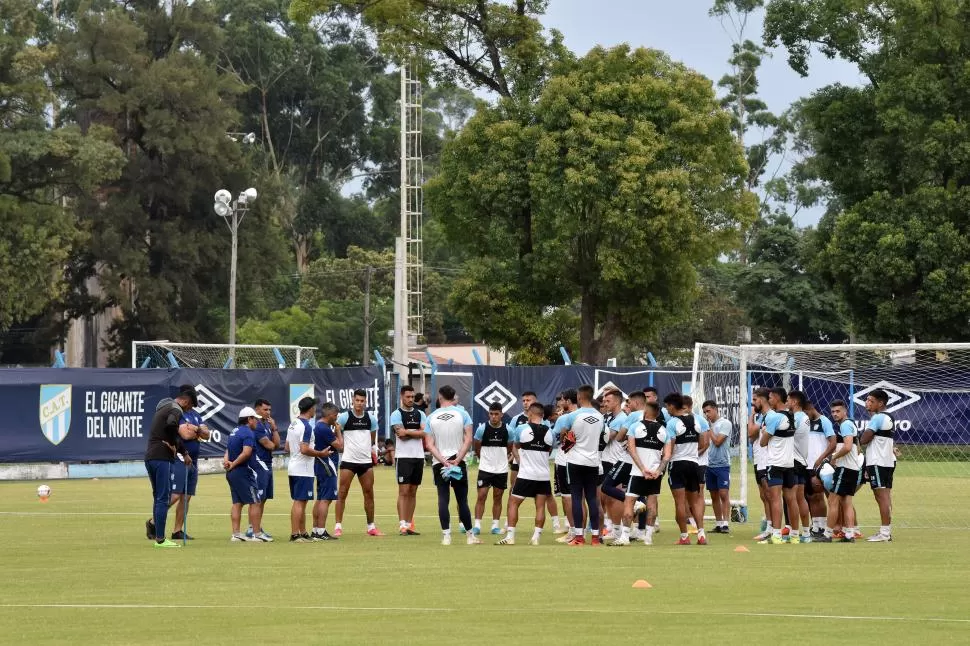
(221, 208)
(223, 196)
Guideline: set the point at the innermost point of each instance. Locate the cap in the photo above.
(247, 412)
(307, 403)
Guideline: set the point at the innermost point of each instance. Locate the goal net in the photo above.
(162, 354)
(929, 397)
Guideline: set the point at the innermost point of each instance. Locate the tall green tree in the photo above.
(44, 170)
(156, 247)
(896, 242)
(621, 181)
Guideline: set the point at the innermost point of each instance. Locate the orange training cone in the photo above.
(741, 548)
(640, 583)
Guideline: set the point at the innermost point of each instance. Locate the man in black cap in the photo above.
(163, 445)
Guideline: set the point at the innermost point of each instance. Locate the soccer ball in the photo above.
(43, 491)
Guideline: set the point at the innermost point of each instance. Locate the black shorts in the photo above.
(783, 477)
(436, 471)
(357, 468)
(620, 474)
(642, 487)
(583, 478)
(410, 471)
(524, 488)
(880, 477)
(683, 475)
(561, 480)
(845, 482)
(802, 474)
(606, 468)
(514, 467)
(497, 480)
(760, 475)
(702, 474)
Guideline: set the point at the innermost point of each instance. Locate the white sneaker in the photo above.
(263, 537)
(639, 507)
(534, 541)
(474, 540)
(647, 539)
(636, 534)
(609, 536)
(656, 527)
(880, 538)
(565, 538)
(241, 538)
(762, 536)
(619, 542)
(559, 530)
(508, 540)
(446, 539)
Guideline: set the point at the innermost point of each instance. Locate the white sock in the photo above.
(562, 521)
(769, 529)
(691, 522)
(446, 532)
(495, 524)
(371, 526)
(608, 524)
(624, 531)
(536, 533)
(570, 532)
(649, 531)
(404, 524)
(337, 526)
(818, 522)
(886, 530)
(317, 530)
(700, 532)
(805, 531)
(478, 523)
(511, 532)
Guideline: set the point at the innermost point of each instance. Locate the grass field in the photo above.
(80, 571)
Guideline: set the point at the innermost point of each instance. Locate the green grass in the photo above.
(87, 547)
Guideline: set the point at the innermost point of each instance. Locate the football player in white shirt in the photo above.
(567, 402)
(449, 439)
(299, 438)
(649, 452)
(358, 428)
(581, 431)
(880, 460)
(759, 408)
(847, 462)
(493, 446)
(408, 423)
(613, 452)
(821, 444)
(684, 433)
(797, 402)
(532, 444)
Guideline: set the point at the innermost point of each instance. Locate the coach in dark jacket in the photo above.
(163, 445)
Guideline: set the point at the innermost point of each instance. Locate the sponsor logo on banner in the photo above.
(495, 393)
(209, 403)
(898, 397)
(298, 392)
(609, 385)
(55, 411)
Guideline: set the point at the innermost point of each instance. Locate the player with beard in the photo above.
(759, 406)
(568, 404)
(821, 444)
(614, 419)
(683, 433)
(649, 452)
(797, 404)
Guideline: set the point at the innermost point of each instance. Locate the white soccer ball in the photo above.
(43, 491)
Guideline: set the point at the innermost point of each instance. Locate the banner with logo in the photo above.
(79, 415)
(506, 385)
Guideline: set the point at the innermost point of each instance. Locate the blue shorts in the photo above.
(326, 484)
(242, 485)
(178, 477)
(301, 487)
(264, 484)
(718, 478)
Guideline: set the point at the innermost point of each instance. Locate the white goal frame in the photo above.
(302, 353)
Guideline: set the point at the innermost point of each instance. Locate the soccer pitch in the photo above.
(80, 571)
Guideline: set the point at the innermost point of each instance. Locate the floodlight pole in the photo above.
(234, 228)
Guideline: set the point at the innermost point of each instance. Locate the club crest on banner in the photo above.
(898, 397)
(298, 392)
(209, 403)
(55, 411)
(495, 393)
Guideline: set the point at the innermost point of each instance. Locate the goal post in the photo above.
(165, 354)
(929, 397)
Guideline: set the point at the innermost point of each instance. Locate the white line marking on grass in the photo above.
(765, 615)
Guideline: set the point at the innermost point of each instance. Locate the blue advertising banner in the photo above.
(79, 415)
(505, 385)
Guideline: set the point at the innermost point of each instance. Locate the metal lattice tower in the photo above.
(409, 322)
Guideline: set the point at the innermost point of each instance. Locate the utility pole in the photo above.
(367, 320)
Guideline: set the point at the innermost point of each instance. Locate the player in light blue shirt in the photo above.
(718, 476)
(878, 439)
